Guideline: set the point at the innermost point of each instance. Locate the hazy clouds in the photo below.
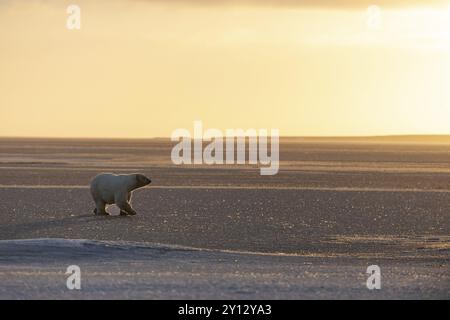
(308, 3)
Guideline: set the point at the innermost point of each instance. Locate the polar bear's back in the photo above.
(105, 185)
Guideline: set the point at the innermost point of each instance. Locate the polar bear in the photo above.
(108, 188)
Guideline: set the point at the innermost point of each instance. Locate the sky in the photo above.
(143, 68)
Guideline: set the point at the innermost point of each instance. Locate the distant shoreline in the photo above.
(419, 139)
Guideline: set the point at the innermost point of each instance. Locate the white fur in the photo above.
(107, 188)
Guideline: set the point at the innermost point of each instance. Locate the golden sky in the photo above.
(140, 68)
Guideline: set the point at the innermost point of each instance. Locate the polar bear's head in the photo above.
(142, 181)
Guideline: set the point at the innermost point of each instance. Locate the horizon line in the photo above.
(281, 137)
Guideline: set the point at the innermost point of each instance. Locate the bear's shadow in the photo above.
(52, 224)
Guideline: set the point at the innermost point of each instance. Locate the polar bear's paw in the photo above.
(124, 213)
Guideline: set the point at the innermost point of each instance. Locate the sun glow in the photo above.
(144, 69)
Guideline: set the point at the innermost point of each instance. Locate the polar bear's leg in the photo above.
(100, 208)
(123, 212)
(125, 208)
(122, 203)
